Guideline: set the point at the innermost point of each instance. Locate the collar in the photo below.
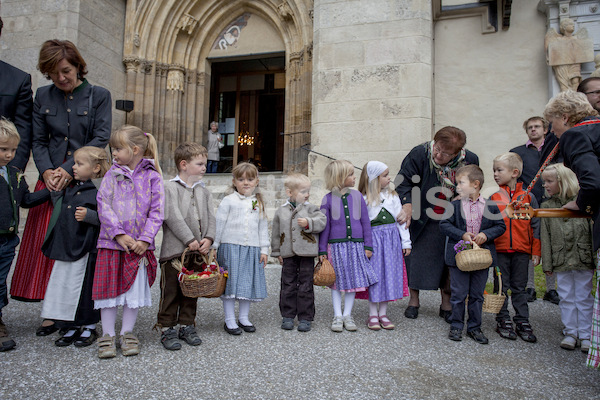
(178, 179)
(529, 143)
(480, 199)
(242, 197)
(145, 163)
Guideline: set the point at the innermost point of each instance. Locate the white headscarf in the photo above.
(374, 169)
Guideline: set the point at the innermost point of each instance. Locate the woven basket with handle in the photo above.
(324, 274)
(492, 303)
(193, 286)
(473, 259)
(222, 280)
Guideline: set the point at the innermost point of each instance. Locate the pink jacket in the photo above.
(130, 203)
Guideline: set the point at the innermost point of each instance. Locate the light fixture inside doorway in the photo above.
(245, 137)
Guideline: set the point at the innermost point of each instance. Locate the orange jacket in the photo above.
(521, 235)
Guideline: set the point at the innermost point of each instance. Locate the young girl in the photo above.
(567, 251)
(71, 241)
(346, 241)
(242, 240)
(130, 207)
(390, 242)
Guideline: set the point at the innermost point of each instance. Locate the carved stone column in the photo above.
(131, 67)
(175, 90)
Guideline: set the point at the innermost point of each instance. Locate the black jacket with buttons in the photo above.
(14, 196)
(61, 122)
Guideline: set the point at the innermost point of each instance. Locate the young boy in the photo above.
(520, 242)
(189, 222)
(295, 241)
(474, 220)
(14, 192)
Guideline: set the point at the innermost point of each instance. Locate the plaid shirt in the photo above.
(473, 212)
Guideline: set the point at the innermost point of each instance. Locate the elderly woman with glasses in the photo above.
(577, 126)
(430, 168)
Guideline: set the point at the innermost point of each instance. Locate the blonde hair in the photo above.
(294, 180)
(128, 136)
(336, 173)
(8, 130)
(574, 105)
(512, 161)
(95, 156)
(567, 181)
(371, 189)
(251, 172)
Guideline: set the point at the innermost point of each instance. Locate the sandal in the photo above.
(373, 323)
(386, 323)
(107, 347)
(130, 345)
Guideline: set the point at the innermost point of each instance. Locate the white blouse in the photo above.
(393, 205)
(239, 221)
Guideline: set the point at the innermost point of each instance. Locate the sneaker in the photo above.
(455, 334)
(349, 323)
(6, 343)
(287, 323)
(569, 342)
(107, 347)
(189, 335)
(505, 330)
(169, 339)
(531, 295)
(585, 345)
(478, 336)
(552, 296)
(338, 324)
(525, 332)
(304, 325)
(130, 345)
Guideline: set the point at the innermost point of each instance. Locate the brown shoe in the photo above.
(130, 345)
(6, 343)
(107, 347)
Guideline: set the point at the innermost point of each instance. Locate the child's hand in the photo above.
(302, 222)
(480, 238)
(535, 259)
(194, 246)
(405, 215)
(205, 245)
(323, 257)
(125, 241)
(264, 259)
(369, 253)
(406, 252)
(80, 213)
(549, 273)
(139, 247)
(280, 259)
(467, 237)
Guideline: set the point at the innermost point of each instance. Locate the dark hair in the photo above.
(451, 137)
(472, 172)
(583, 85)
(1, 25)
(536, 118)
(54, 51)
(187, 151)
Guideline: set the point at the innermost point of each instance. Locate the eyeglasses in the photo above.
(436, 150)
(595, 93)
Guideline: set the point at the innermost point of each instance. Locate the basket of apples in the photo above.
(195, 283)
(213, 266)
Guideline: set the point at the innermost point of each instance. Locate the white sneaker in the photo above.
(585, 345)
(568, 343)
(337, 325)
(349, 323)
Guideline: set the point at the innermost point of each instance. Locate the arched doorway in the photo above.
(173, 49)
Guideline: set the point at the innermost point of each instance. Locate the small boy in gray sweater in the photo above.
(189, 223)
(295, 242)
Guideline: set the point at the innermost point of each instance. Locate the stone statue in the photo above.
(596, 73)
(565, 52)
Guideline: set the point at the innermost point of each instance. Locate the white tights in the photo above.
(336, 299)
(109, 319)
(229, 309)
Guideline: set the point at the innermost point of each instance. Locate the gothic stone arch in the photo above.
(168, 76)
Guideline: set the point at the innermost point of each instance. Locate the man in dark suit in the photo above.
(16, 104)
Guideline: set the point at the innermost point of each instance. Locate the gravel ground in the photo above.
(416, 360)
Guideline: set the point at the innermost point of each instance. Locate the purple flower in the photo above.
(462, 245)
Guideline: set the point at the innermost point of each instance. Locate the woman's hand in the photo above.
(62, 178)
(125, 241)
(139, 247)
(264, 259)
(405, 215)
(572, 205)
(50, 179)
(80, 213)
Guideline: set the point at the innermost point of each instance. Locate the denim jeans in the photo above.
(211, 166)
(8, 243)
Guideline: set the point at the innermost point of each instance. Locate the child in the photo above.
(130, 207)
(515, 247)
(71, 240)
(567, 251)
(473, 220)
(295, 241)
(242, 241)
(346, 241)
(14, 193)
(189, 222)
(390, 242)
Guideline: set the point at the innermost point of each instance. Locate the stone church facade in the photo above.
(292, 82)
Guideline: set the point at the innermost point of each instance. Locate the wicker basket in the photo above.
(191, 287)
(492, 303)
(474, 259)
(222, 279)
(324, 274)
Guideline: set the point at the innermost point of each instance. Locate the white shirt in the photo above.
(178, 179)
(393, 205)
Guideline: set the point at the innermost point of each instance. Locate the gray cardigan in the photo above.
(288, 239)
(189, 215)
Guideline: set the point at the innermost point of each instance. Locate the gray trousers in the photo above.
(550, 279)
